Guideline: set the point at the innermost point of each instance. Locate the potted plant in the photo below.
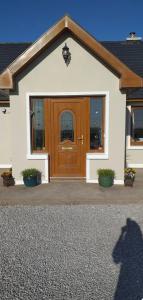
(8, 179)
(129, 176)
(106, 177)
(31, 177)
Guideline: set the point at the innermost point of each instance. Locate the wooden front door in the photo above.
(68, 134)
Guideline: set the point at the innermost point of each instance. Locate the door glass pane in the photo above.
(137, 124)
(96, 123)
(67, 127)
(37, 124)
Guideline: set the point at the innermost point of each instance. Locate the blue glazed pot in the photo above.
(30, 181)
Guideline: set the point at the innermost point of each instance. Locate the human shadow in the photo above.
(128, 251)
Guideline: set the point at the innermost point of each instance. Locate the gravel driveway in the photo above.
(71, 252)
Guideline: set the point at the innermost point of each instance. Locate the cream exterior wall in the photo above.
(135, 158)
(5, 138)
(86, 73)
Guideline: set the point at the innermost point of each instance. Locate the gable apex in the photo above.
(127, 77)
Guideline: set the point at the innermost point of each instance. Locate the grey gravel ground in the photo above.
(71, 252)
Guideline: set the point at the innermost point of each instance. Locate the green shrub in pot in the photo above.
(106, 177)
(31, 177)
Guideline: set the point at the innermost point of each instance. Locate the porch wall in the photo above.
(49, 74)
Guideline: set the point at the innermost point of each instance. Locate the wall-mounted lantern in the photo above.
(66, 54)
(3, 110)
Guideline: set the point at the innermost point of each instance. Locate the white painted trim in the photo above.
(89, 156)
(5, 166)
(104, 155)
(92, 181)
(99, 156)
(135, 148)
(19, 182)
(46, 170)
(28, 125)
(136, 166)
(87, 169)
(119, 182)
(45, 181)
(31, 156)
(128, 137)
(107, 119)
(37, 156)
(41, 157)
(50, 94)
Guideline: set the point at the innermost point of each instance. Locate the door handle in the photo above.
(81, 139)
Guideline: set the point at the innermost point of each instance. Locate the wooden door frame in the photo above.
(48, 127)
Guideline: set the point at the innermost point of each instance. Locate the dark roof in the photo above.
(135, 94)
(4, 95)
(9, 52)
(129, 52)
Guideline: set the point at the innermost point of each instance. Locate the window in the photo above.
(67, 129)
(37, 125)
(136, 125)
(97, 124)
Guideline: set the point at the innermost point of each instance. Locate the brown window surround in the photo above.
(136, 133)
(100, 149)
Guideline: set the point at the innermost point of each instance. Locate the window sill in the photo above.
(139, 147)
(97, 155)
(39, 156)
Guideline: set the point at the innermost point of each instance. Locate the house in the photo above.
(70, 105)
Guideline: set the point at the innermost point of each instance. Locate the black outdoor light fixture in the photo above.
(4, 110)
(66, 54)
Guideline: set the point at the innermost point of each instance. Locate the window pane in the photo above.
(96, 123)
(137, 124)
(67, 130)
(38, 126)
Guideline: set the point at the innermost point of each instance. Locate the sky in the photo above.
(26, 20)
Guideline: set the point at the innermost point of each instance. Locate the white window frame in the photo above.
(89, 156)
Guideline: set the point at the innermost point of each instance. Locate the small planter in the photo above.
(129, 177)
(31, 177)
(106, 181)
(8, 179)
(106, 177)
(128, 181)
(30, 181)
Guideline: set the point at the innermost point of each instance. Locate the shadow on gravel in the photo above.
(128, 251)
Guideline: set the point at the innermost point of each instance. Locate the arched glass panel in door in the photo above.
(66, 126)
